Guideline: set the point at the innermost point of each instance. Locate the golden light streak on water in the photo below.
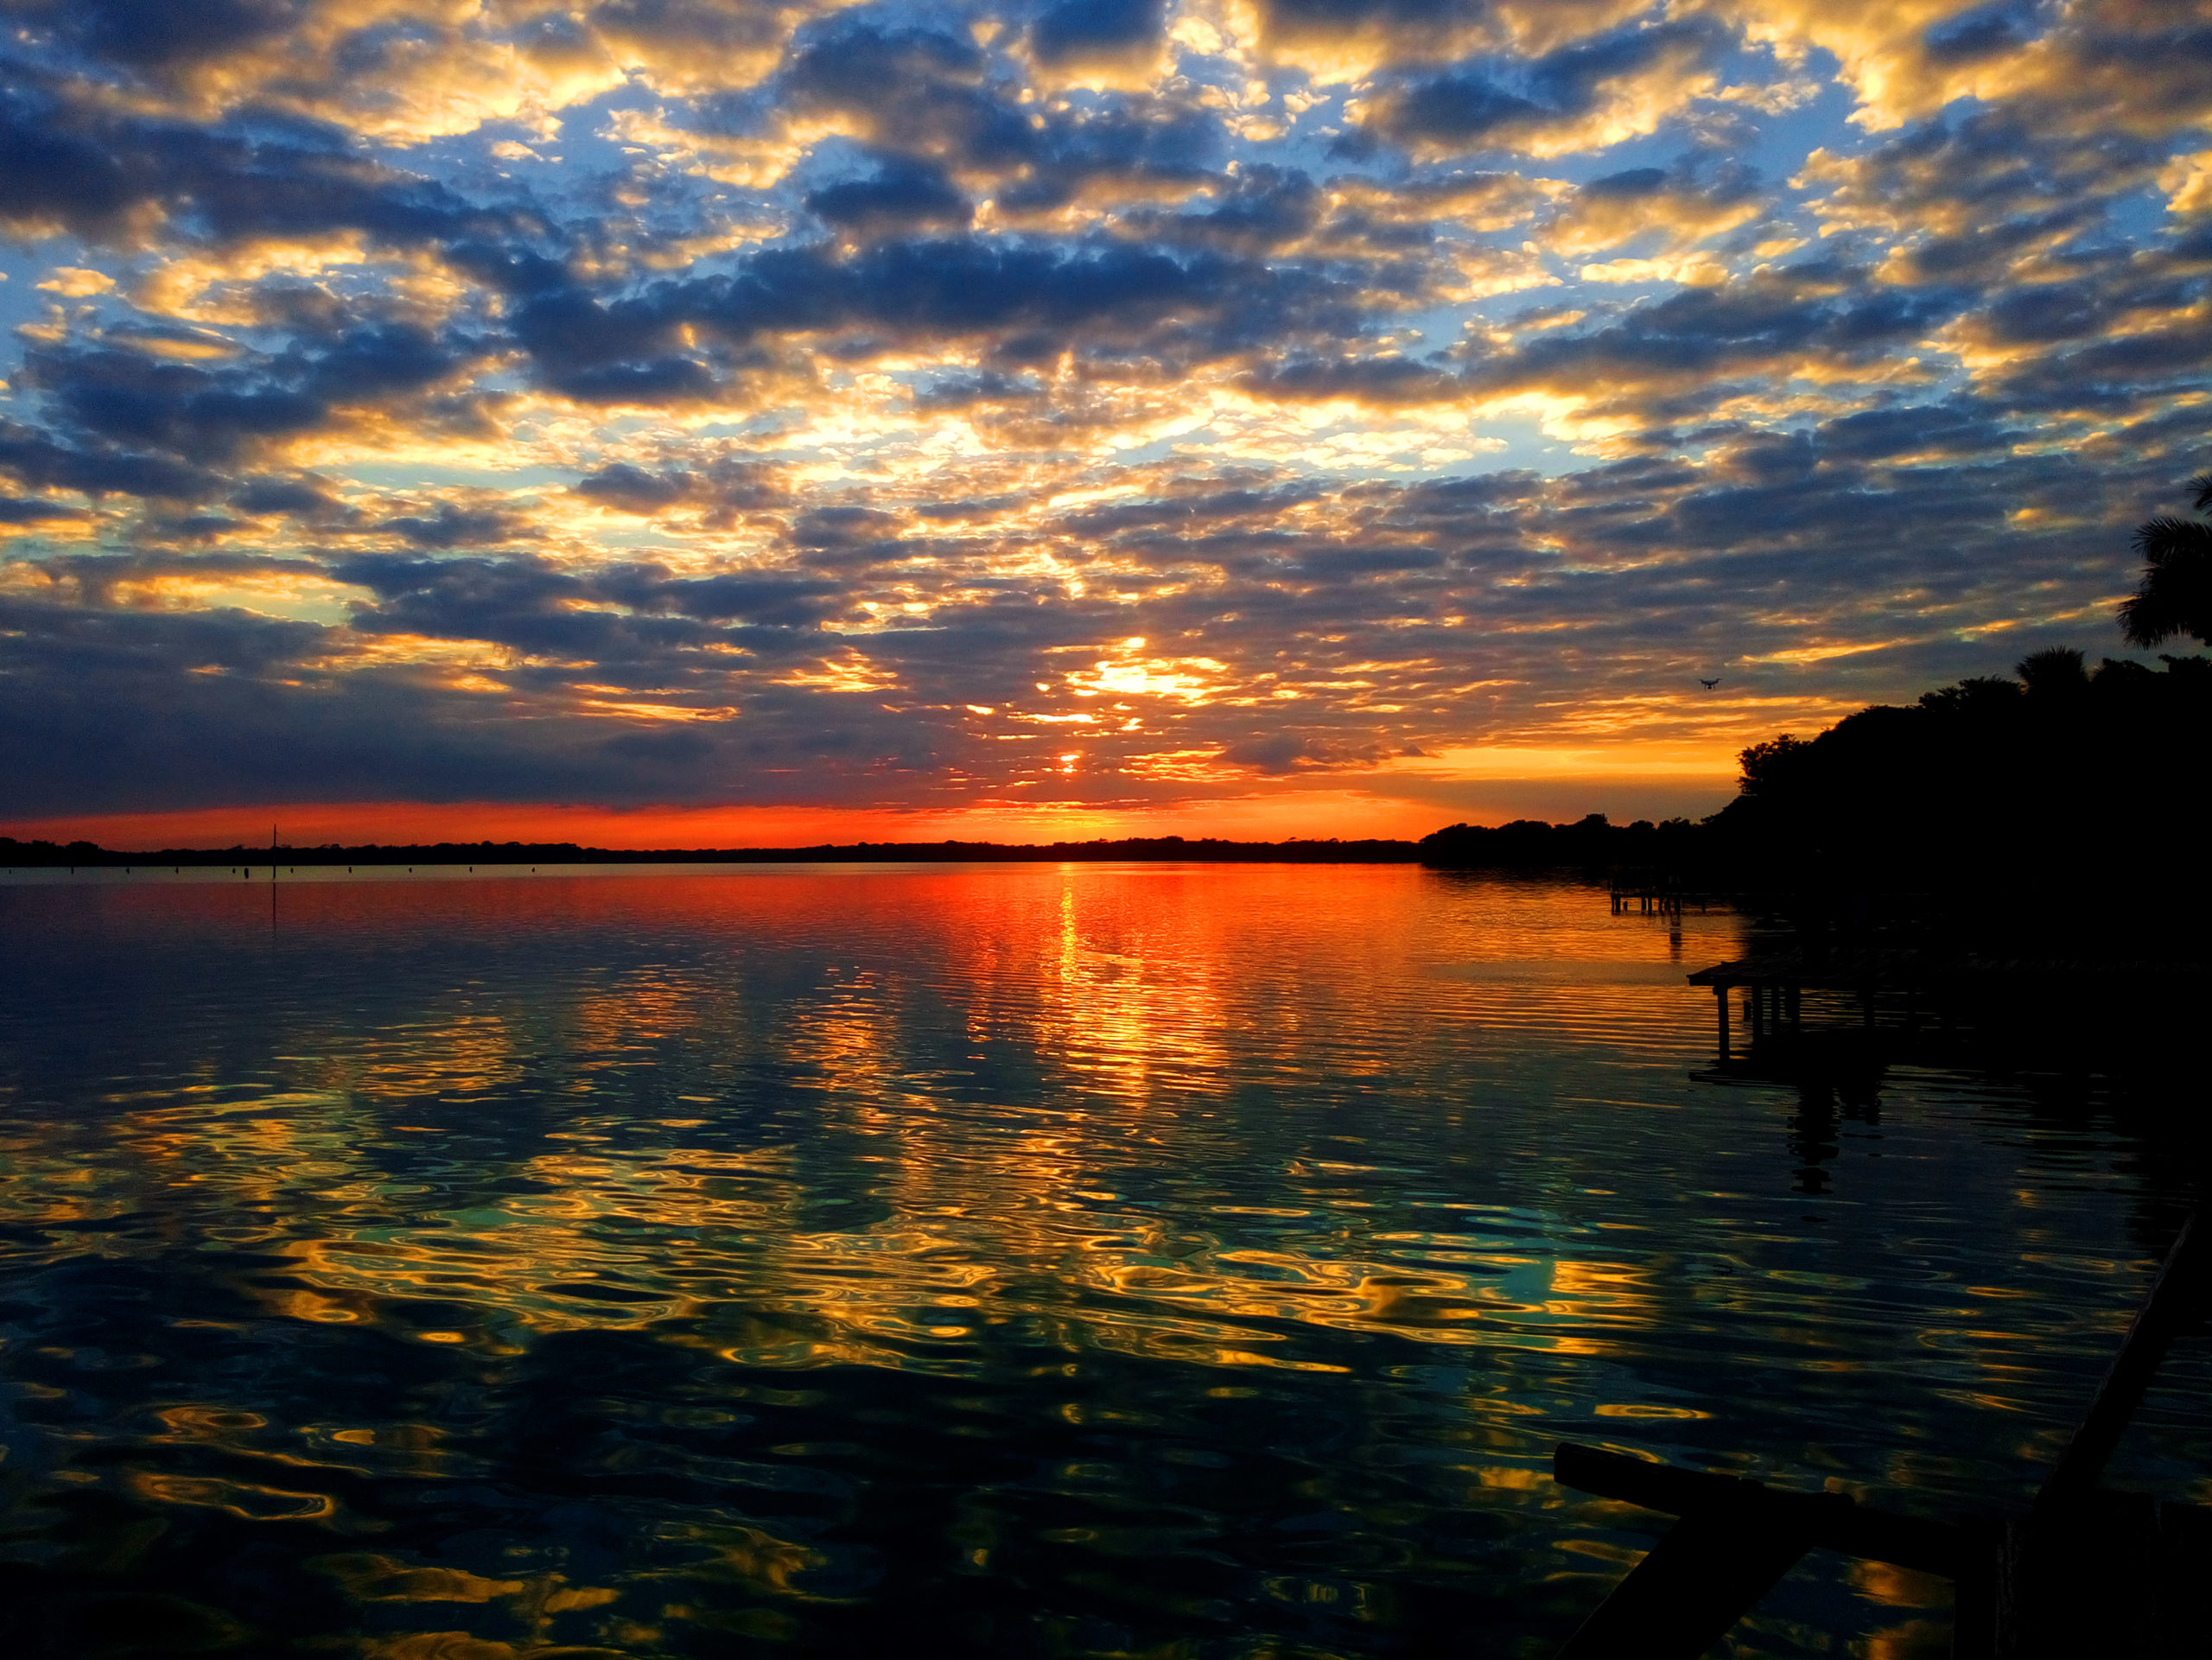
(1090, 1260)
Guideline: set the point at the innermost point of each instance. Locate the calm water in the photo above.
(1033, 1260)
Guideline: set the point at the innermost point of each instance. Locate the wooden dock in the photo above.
(1917, 985)
(1658, 893)
(2082, 1573)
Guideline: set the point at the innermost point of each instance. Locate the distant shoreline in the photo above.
(1208, 850)
(1588, 843)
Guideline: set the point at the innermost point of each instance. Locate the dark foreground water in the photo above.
(1029, 1261)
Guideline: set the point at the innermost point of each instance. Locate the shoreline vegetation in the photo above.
(2063, 775)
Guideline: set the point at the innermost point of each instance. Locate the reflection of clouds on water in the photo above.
(710, 1227)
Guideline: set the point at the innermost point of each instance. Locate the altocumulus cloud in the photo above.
(1093, 406)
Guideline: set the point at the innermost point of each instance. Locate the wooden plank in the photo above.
(1705, 1573)
(2181, 1619)
(1831, 1521)
(2084, 1582)
(2087, 1572)
(2178, 1300)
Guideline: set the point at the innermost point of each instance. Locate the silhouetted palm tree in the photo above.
(2054, 671)
(2175, 596)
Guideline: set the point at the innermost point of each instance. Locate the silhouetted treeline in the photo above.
(2067, 797)
(1590, 841)
(1206, 848)
(2068, 800)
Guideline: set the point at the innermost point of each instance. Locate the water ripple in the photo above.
(1066, 1261)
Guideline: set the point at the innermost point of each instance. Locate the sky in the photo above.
(702, 421)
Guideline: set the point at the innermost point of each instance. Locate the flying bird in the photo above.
(1708, 684)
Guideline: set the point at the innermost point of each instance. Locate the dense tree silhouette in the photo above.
(2056, 672)
(1589, 843)
(2175, 596)
(1995, 799)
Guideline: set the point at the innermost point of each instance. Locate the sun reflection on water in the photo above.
(1087, 1260)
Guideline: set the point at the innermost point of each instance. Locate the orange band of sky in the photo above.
(1295, 811)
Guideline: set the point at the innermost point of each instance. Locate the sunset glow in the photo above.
(702, 421)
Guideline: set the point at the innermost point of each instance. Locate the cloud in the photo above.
(1581, 95)
(1377, 382)
(684, 47)
(1666, 210)
(71, 164)
(1276, 753)
(904, 195)
(158, 40)
(1390, 617)
(1099, 43)
(307, 498)
(36, 460)
(18, 510)
(1024, 304)
(634, 489)
(1971, 198)
(451, 527)
(117, 392)
(2111, 64)
(1343, 39)
(406, 73)
(76, 281)
(909, 90)
(1697, 351)
(1095, 402)
(722, 489)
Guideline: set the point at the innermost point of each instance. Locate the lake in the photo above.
(1034, 1260)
